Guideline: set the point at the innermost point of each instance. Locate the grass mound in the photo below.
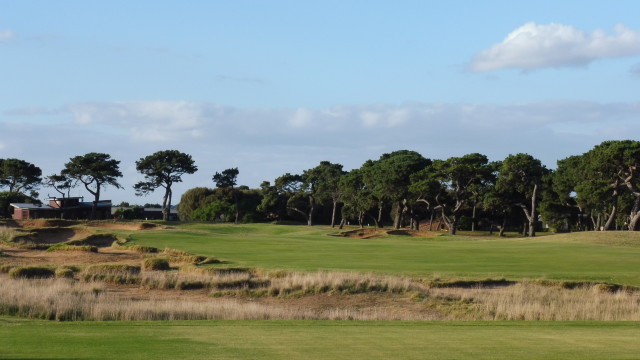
(156, 264)
(65, 247)
(31, 272)
(113, 273)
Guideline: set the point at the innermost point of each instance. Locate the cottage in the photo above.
(61, 208)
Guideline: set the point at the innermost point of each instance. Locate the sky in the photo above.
(275, 86)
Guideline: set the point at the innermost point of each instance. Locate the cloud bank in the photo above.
(535, 46)
(266, 143)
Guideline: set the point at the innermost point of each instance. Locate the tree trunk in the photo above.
(333, 214)
(431, 221)
(534, 217)
(342, 221)
(311, 208)
(397, 222)
(610, 219)
(635, 215)
(379, 220)
(165, 198)
(473, 217)
(235, 199)
(504, 226)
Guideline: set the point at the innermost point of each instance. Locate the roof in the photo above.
(47, 207)
(31, 206)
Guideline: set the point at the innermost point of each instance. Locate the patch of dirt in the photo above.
(20, 257)
(40, 223)
(368, 233)
(55, 235)
(124, 225)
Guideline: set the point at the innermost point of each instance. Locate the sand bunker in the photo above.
(368, 233)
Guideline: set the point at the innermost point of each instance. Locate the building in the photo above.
(72, 208)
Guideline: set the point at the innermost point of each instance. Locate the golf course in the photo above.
(129, 290)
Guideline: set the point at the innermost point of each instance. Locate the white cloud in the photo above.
(534, 46)
(6, 35)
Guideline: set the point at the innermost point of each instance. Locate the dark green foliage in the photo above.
(163, 169)
(193, 199)
(226, 179)
(19, 176)
(132, 213)
(94, 171)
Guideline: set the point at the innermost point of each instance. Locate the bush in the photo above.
(66, 272)
(31, 272)
(65, 247)
(156, 264)
(114, 273)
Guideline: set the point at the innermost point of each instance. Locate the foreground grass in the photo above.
(598, 257)
(317, 340)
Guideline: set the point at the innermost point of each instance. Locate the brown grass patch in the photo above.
(368, 233)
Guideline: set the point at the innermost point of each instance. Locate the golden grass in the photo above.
(61, 299)
(530, 301)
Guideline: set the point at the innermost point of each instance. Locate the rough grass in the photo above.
(31, 272)
(66, 247)
(60, 299)
(113, 273)
(155, 264)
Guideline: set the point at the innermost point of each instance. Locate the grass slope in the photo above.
(317, 340)
(601, 257)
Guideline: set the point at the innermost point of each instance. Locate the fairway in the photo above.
(558, 257)
(317, 340)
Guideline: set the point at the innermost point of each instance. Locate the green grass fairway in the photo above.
(603, 257)
(23, 339)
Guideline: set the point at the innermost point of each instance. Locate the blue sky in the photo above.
(278, 86)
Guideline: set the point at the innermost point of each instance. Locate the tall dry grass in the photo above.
(530, 301)
(63, 300)
(7, 233)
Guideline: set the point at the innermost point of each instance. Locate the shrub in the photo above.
(114, 273)
(66, 271)
(136, 248)
(156, 264)
(31, 272)
(65, 247)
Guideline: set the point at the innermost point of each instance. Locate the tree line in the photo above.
(597, 190)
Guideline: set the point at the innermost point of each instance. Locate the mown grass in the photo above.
(611, 257)
(318, 340)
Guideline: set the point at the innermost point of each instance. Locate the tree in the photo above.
(60, 182)
(227, 180)
(614, 165)
(19, 175)
(521, 176)
(390, 176)
(163, 169)
(452, 183)
(323, 184)
(94, 171)
(299, 197)
(357, 198)
(193, 199)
